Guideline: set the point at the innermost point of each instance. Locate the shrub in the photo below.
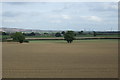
(58, 34)
(18, 37)
(69, 36)
(26, 41)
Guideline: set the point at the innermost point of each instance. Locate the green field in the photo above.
(5, 36)
(114, 35)
(76, 36)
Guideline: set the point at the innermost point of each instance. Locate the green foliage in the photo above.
(26, 41)
(94, 33)
(32, 34)
(81, 32)
(18, 37)
(4, 33)
(63, 32)
(69, 36)
(58, 34)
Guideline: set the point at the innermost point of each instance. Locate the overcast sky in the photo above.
(100, 16)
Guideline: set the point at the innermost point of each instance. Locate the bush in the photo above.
(26, 41)
(69, 36)
(58, 34)
(94, 33)
(18, 37)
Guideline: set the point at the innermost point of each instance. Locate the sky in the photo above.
(88, 16)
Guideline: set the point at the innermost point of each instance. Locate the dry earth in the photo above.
(90, 59)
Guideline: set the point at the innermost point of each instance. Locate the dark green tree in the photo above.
(4, 33)
(81, 32)
(63, 32)
(32, 34)
(58, 34)
(18, 37)
(69, 36)
(94, 33)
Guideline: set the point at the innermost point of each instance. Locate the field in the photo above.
(58, 59)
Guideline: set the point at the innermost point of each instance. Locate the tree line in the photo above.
(20, 37)
(69, 36)
(54, 34)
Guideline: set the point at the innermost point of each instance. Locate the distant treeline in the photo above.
(78, 34)
(60, 34)
(108, 32)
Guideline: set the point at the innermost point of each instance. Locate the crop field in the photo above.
(58, 59)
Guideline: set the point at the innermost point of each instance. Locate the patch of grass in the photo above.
(107, 35)
(87, 35)
(47, 41)
(4, 36)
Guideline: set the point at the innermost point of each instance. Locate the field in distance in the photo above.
(58, 59)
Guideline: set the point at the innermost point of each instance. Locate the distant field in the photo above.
(4, 36)
(115, 35)
(76, 36)
(58, 59)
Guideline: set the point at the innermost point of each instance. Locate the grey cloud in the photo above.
(102, 7)
(11, 14)
(60, 10)
(25, 3)
(23, 14)
(16, 3)
(63, 8)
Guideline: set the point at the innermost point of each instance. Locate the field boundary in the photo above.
(81, 38)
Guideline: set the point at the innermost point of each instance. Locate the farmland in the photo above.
(58, 59)
(59, 39)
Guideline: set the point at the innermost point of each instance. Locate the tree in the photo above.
(94, 33)
(32, 34)
(69, 36)
(63, 32)
(58, 34)
(24, 34)
(4, 33)
(18, 37)
(81, 32)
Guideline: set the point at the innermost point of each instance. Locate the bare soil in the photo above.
(60, 60)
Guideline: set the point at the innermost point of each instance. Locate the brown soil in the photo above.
(60, 60)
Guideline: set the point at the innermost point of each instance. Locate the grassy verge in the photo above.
(114, 35)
